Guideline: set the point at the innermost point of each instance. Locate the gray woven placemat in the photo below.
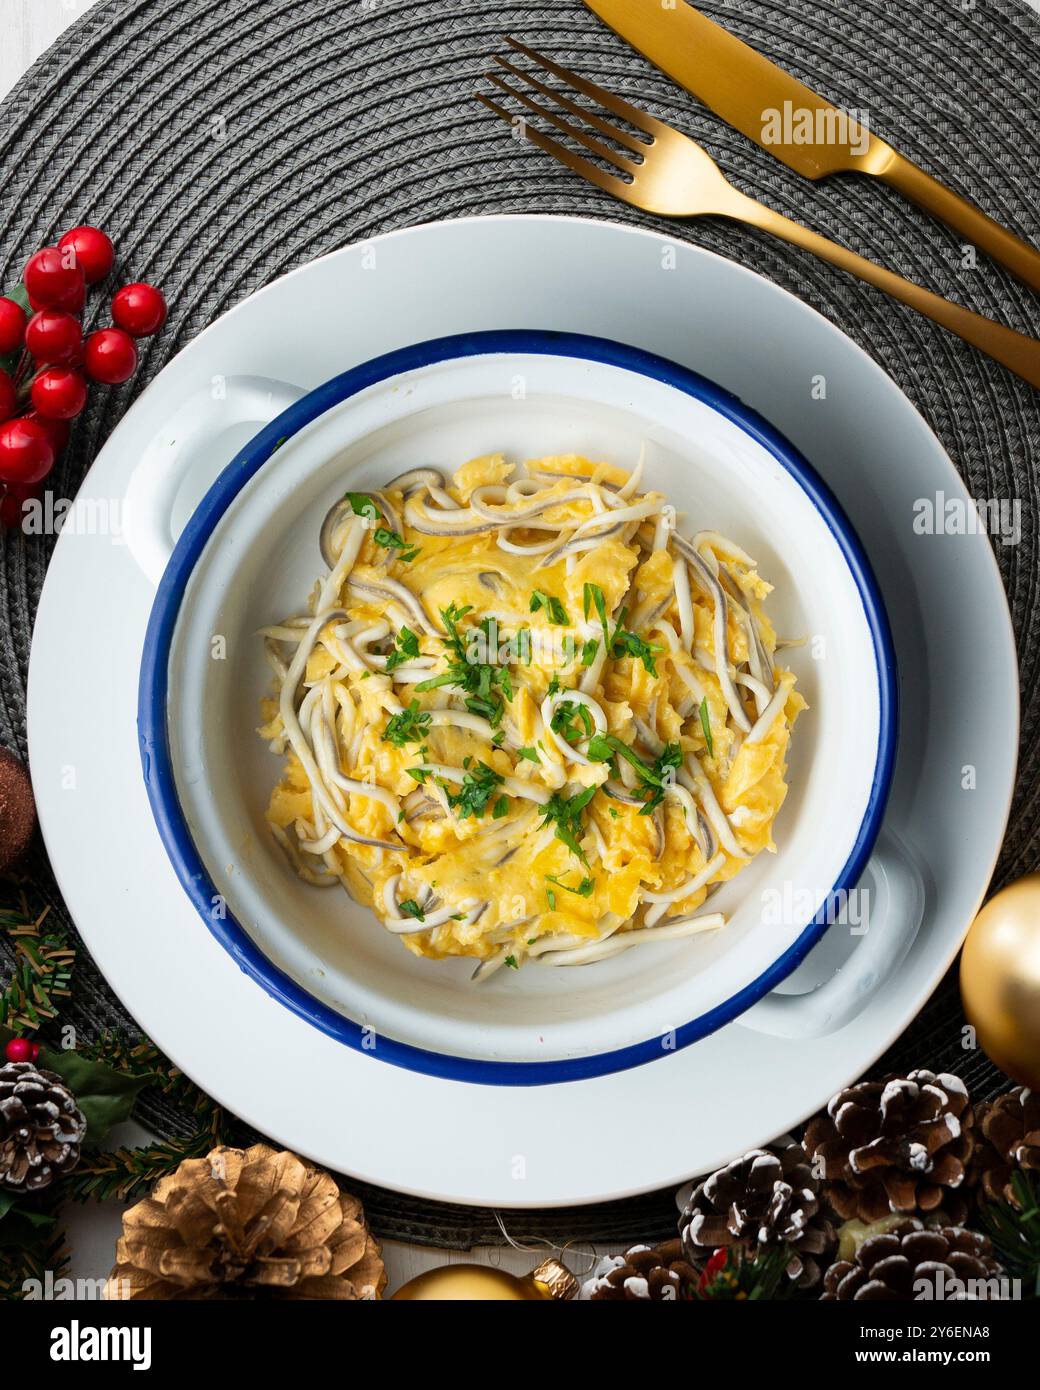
(344, 120)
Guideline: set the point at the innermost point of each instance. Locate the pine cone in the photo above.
(1007, 1139)
(41, 1127)
(643, 1273)
(900, 1145)
(889, 1266)
(246, 1224)
(767, 1198)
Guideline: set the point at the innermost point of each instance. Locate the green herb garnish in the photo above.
(554, 609)
(565, 813)
(411, 908)
(584, 889)
(410, 726)
(478, 787)
(655, 777)
(407, 649)
(565, 717)
(706, 726)
(479, 680)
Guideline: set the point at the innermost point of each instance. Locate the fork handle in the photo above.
(1015, 351)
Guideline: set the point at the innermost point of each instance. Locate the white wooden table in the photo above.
(27, 28)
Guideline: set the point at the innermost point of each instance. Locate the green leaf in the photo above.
(706, 726)
(104, 1094)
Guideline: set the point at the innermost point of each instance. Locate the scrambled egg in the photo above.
(520, 873)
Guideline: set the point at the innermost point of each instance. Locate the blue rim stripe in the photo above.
(153, 692)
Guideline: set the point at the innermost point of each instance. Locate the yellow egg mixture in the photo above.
(531, 717)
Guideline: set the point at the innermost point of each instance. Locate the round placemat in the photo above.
(224, 142)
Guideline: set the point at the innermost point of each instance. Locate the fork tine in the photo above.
(583, 113)
(606, 99)
(618, 187)
(575, 132)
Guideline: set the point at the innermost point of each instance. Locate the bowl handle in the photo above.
(167, 461)
(895, 886)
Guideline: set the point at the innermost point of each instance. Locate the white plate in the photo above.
(565, 1143)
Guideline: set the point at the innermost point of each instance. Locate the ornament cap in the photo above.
(556, 1279)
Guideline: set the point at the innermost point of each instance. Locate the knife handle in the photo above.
(965, 218)
(1013, 350)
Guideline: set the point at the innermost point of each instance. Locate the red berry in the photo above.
(54, 280)
(12, 325)
(53, 335)
(26, 451)
(8, 396)
(57, 431)
(59, 394)
(94, 251)
(19, 1050)
(110, 356)
(139, 308)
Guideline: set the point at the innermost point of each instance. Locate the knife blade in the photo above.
(787, 119)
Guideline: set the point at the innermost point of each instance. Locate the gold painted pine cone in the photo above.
(247, 1224)
(956, 1264)
(895, 1146)
(1007, 1139)
(41, 1128)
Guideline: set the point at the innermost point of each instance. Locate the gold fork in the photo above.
(668, 173)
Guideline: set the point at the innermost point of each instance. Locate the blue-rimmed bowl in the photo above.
(248, 556)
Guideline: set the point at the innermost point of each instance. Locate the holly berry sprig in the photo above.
(46, 364)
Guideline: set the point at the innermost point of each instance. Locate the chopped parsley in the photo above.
(620, 642)
(500, 808)
(407, 649)
(511, 961)
(584, 889)
(479, 680)
(390, 540)
(550, 898)
(554, 609)
(655, 777)
(706, 726)
(565, 813)
(588, 652)
(410, 726)
(572, 720)
(478, 787)
(363, 506)
(629, 644)
(410, 908)
(529, 753)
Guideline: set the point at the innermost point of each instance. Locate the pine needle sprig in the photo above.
(128, 1174)
(142, 1058)
(42, 972)
(1014, 1229)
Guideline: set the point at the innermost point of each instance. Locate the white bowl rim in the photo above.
(153, 691)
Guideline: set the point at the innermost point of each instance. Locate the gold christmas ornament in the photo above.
(476, 1283)
(246, 1224)
(1000, 980)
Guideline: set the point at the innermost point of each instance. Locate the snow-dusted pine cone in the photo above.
(767, 1198)
(894, 1146)
(644, 1273)
(955, 1264)
(1007, 1141)
(41, 1127)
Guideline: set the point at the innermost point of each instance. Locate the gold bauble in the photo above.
(476, 1283)
(1000, 980)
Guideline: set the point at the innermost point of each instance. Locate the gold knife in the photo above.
(789, 120)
